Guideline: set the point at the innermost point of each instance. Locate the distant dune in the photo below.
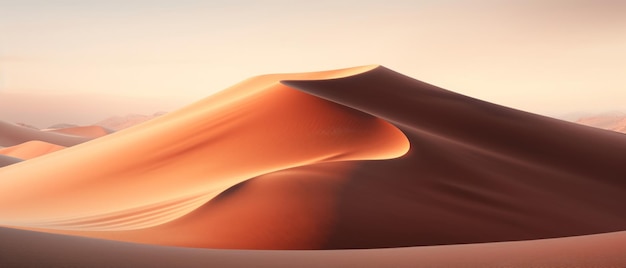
(6, 160)
(122, 122)
(30, 149)
(359, 158)
(82, 131)
(613, 121)
(12, 134)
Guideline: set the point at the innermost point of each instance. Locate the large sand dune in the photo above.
(355, 158)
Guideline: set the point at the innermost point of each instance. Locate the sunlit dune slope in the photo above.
(354, 158)
(11, 134)
(82, 131)
(158, 171)
(30, 149)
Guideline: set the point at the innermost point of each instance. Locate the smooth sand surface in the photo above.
(91, 132)
(30, 149)
(6, 160)
(122, 122)
(355, 158)
(616, 122)
(12, 134)
(32, 249)
(163, 169)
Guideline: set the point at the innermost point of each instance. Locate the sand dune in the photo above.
(6, 160)
(208, 147)
(614, 122)
(354, 158)
(30, 149)
(602, 250)
(91, 132)
(122, 122)
(11, 134)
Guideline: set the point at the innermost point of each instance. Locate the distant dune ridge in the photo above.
(30, 149)
(82, 131)
(13, 134)
(611, 121)
(122, 122)
(356, 158)
(6, 160)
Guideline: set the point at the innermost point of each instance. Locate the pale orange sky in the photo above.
(548, 57)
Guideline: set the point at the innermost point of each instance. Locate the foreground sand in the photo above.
(354, 158)
(32, 249)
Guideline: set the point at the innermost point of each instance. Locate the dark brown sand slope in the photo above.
(476, 172)
(356, 158)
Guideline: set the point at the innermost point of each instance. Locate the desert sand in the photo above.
(91, 132)
(30, 149)
(294, 167)
(12, 134)
(6, 160)
(121, 122)
(614, 122)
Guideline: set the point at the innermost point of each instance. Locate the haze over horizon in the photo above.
(547, 57)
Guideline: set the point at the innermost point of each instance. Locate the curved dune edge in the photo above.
(210, 146)
(30, 149)
(91, 132)
(52, 250)
(474, 172)
(11, 134)
(6, 160)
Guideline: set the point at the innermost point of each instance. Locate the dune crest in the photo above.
(12, 134)
(91, 132)
(6, 160)
(251, 129)
(30, 149)
(355, 158)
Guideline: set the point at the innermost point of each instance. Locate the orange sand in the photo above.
(11, 134)
(91, 132)
(30, 149)
(354, 158)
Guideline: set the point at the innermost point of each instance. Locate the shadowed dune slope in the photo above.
(476, 172)
(6, 160)
(11, 134)
(355, 158)
(82, 131)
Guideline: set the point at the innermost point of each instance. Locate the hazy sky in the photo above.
(549, 57)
